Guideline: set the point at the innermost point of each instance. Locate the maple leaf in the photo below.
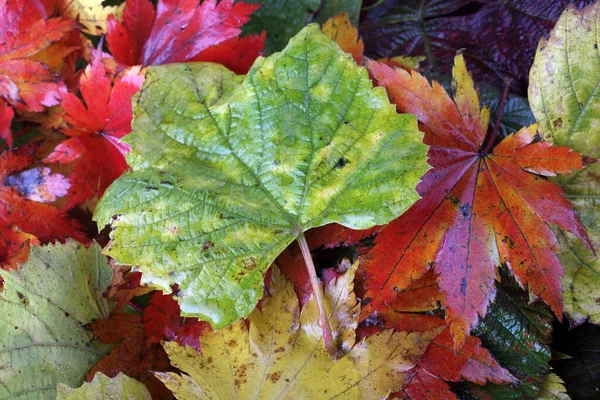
(96, 123)
(498, 37)
(564, 79)
(26, 30)
(197, 173)
(479, 208)
(20, 216)
(103, 387)
(177, 31)
(281, 352)
(416, 309)
(46, 304)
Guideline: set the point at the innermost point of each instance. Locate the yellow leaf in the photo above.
(466, 97)
(553, 388)
(340, 30)
(103, 387)
(92, 14)
(279, 353)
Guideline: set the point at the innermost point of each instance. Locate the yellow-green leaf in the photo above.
(279, 353)
(104, 388)
(44, 306)
(565, 97)
(223, 180)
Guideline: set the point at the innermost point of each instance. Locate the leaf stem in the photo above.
(318, 293)
(490, 143)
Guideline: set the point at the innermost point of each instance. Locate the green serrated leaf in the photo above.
(282, 19)
(105, 388)
(565, 97)
(581, 281)
(44, 306)
(516, 333)
(217, 191)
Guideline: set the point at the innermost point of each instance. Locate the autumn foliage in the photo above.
(502, 219)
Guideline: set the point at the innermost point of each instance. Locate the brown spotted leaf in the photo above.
(279, 353)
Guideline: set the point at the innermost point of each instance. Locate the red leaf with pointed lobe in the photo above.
(424, 386)
(237, 54)
(96, 123)
(20, 218)
(177, 31)
(478, 209)
(472, 362)
(26, 30)
(163, 321)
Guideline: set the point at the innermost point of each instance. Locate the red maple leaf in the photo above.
(179, 30)
(23, 214)
(416, 309)
(163, 321)
(95, 126)
(478, 208)
(26, 30)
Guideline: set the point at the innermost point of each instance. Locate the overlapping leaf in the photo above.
(91, 14)
(23, 212)
(283, 19)
(103, 387)
(223, 180)
(177, 31)
(96, 123)
(517, 333)
(417, 309)
(480, 208)
(45, 305)
(26, 30)
(281, 353)
(498, 37)
(564, 97)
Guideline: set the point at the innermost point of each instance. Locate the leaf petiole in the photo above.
(318, 293)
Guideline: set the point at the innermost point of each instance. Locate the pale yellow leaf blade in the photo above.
(104, 388)
(91, 13)
(281, 356)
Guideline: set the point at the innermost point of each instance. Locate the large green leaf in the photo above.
(44, 306)
(565, 98)
(105, 388)
(282, 19)
(217, 191)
